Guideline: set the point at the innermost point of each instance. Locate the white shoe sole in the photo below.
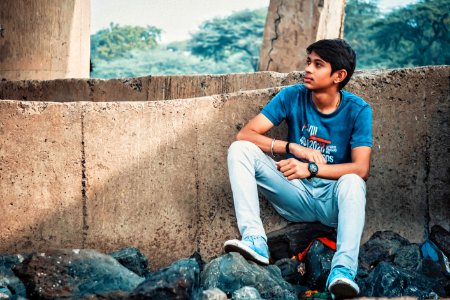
(343, 288)
(245, 251)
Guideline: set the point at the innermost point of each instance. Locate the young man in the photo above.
(323, 179)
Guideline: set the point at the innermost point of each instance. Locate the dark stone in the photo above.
(73, 274)
(231, 272)
(132, 259)
(318, 265)
(441, 238)
(289, 270)
(387, 280)
(382, 246)
(180, 280)
(433, 270)
(10, 284)
(295, 237)
(408, 257)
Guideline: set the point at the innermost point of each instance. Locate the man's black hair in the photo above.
(338, 53)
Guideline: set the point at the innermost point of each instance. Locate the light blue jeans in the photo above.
(336, 203)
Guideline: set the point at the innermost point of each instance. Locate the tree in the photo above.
(413, 35)
(116, 41)
(360, 15)
(240, 32)
(417, 34)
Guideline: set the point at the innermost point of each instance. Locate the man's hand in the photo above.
(307, 154)
(293, 169)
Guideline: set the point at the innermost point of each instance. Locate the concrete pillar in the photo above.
(292, 25)
(44, 39)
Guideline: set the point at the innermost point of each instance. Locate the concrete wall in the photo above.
(152, 174)
(44, 39)
(292, 25)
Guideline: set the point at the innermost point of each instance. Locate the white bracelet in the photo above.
(271, 147)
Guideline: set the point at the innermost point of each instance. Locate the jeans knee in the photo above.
(352, 180)
(354, 185)
(238, 148)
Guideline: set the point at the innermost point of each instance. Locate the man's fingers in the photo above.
(289, 172)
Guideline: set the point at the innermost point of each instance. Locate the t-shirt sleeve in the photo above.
(362, 131)
(275, 110)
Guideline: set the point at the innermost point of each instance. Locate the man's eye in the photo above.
(318, 65)
(308, 62)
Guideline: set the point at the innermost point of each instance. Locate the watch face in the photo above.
(313, 168)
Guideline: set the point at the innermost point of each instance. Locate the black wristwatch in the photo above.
(313, 169)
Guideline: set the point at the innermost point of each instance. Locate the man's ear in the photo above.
(340, 75)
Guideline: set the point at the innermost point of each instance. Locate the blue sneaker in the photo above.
(252, 247)
(340, 283)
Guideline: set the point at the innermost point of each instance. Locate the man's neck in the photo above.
(327, 101)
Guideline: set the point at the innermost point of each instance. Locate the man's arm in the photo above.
(254, 132)
(292, 168)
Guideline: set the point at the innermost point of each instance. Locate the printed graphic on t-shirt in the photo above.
(311, 139)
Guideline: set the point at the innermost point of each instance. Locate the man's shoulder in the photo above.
(354, 100)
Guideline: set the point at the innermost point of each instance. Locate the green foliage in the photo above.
(240, 32)
(413, 35)
(165, 61)
(116, 41)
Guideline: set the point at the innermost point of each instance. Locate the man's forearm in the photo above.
(330, 171)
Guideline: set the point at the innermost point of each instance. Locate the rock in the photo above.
(73, 274)
(180, 280)
(214, 294)
(10, 284)
(433, 270)
(231, 272)
(441, 238)
(295, 237)
(289, 270)
(382, 246)
(318, 265)
(387, 280)
(246, 293)
(132, 259)
(408, 257)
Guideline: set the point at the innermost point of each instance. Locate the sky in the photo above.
(178, 18)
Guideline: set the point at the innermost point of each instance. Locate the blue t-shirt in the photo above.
(334, 134)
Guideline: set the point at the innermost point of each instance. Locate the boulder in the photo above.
(408, 257)
(382, 246)
(441, 238)
(180, 280)
(214, 294)
(388, 280)
(318, 265)
(132, 259)
(10, 284)
(246, 293)
(232, 272)
(73, 274)
(289, 270)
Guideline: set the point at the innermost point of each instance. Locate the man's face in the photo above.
(318, 73)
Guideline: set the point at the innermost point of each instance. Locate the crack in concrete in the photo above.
(276, 23)
(427, 187)
(197, 190)
(83, 182)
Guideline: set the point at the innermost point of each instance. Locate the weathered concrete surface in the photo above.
(293, 25)
(44, 39)
(141, 170)
(156, 178)
(141, 88)
(40, 169)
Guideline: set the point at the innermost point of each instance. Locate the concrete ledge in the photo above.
(152, 174)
